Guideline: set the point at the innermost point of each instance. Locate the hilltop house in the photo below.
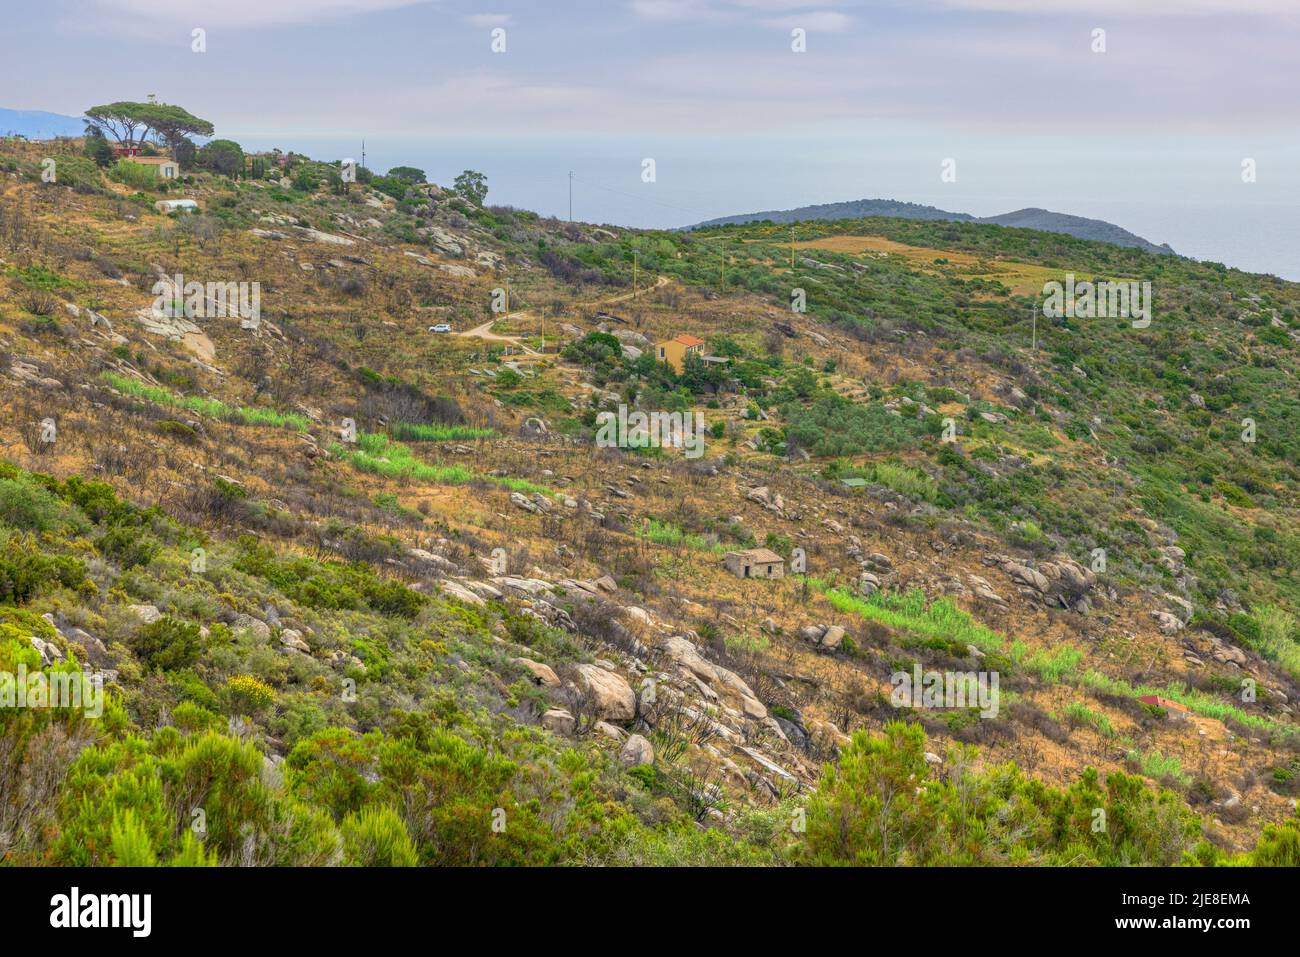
(674, 351)
(164, 167)
(755, 563)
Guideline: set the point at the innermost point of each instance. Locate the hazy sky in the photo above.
(1150, 133)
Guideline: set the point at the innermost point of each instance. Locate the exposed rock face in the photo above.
(292, 639)
(772, 501)
(1027, 576)
(542, 674)
(534, 428)
(828, 637)
(1169, 624)
(685, 654)
(427, 559)
(558, 721)
(812, 633)
(612, 697)
(260, 629)
(982, 589)
(832, 637)
(632, 338)
(1061, 581)
(461, 593)
(636, 751)
(147, 614)
(91, 648)
(48, 650)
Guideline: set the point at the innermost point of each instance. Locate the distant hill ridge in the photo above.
(35, 125)
(39, 125)
(1032, 218)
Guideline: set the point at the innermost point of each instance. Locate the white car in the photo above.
(440, 327)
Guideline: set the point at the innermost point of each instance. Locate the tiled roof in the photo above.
(761, 555)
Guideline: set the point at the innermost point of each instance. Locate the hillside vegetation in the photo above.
(362, 593)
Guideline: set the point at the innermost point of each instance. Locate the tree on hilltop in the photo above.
(410, 174)
(222, 156)
(472, 185)
(161, 121)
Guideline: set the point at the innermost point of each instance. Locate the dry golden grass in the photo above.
(1021, 278)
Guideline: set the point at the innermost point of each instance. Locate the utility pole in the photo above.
(570, 195)
(634, 274)
(363, 154)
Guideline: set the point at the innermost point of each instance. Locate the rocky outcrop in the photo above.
(559, 721)
(826, 637)
(292, 639)
(542, 674)
(611, 696)
(636, 751)
(1062, 582)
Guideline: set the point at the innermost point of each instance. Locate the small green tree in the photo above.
(1279, 845)
(410, 174)
(472, 185)
(167, 644)
(376, 837)
(222, 156)
(97, 148)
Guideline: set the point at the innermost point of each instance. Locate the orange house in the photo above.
(675, 351)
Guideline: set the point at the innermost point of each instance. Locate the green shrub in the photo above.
(27, 506)
(138, 175)
(129, 547)
(191, 717)
(248, 695)
(24, 568)
(882, 805)
(376, 837)
(834, 425)
(167, 644)
(1279, 845)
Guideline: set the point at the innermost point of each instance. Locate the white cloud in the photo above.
(779, 12)
(826, 20)
(490, 19)
(668, 11)
(1122, 8)
(781, 6)
(132, 15)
